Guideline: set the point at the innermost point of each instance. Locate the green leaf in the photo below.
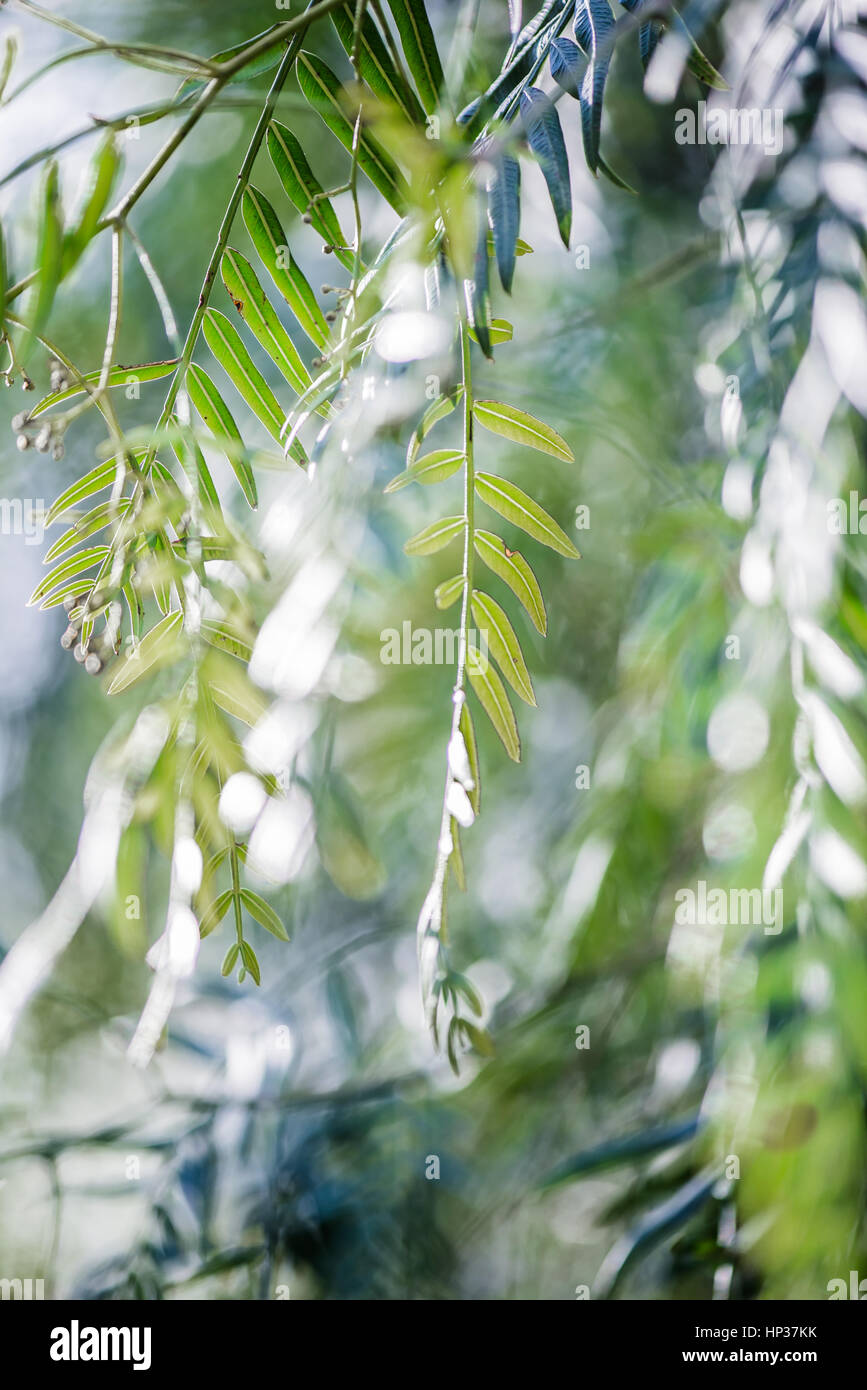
(218, 418)
(326, 95)
(494, 701)
(269, 240)
(545, 136)
(103, 475)
(248, 956)
(374, 62)
(435, 537)
(436, 411)
(468, 730)
(192, 460)
(523, 512)
(302, 187)
(221, 636)
(255, 309)
(522, 428)
(4, 275)
(88, 525)
(159, 647)
(478, 1038)
(503, 644)
(225, 343)
(264, 914)
(615, 178)
(102, 176)
(504, 209)
(512, 568)
(420, 50)
(118, 376)
(432, 468)
(700, 66)
(499, 331)
(479, 287)
(10, 52)
(449, 592)
(49, 261)
(229, 959)
(214, 916)
(76, 564)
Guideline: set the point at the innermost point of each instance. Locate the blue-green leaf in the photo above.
(545, 135)
(504, 208)
(594, 26)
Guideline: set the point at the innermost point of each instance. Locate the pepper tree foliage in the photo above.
(219, 775)
(135, 570)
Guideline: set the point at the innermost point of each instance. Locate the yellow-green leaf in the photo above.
(494, 701)
(158, 648)
(433, 468)
(502, 644)
(523, 512)
(219, 420)
(435, 536)
(512, 568)
(522, 428)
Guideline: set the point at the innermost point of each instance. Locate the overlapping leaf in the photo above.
(492, 696)
(326, 95)
(545, 136)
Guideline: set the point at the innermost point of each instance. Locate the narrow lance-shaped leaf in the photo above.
(102, 176)
(76, 564)
(420, 50)
(545, 136)
(49, 261)
(255, 309)
(522, 428)
(375, 63)
(4, 275)
(435, 537)
(223, 340)
(523, 512)
(504, 208)
(118, 376)
(594, 27)
(467, 728)
(157, 648)
(269, 240)
(503, 644)
(479, 293)
(432, 468)
(248, 955)
(325, 94)
(436, 411)
(103, 475)
(264, 914)
(219, 420)
(94, 521)
(568, 67)
(494, 701)
(302, 187)
(193, 462)
(512, 568)
(449, 591)
(10, 51)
